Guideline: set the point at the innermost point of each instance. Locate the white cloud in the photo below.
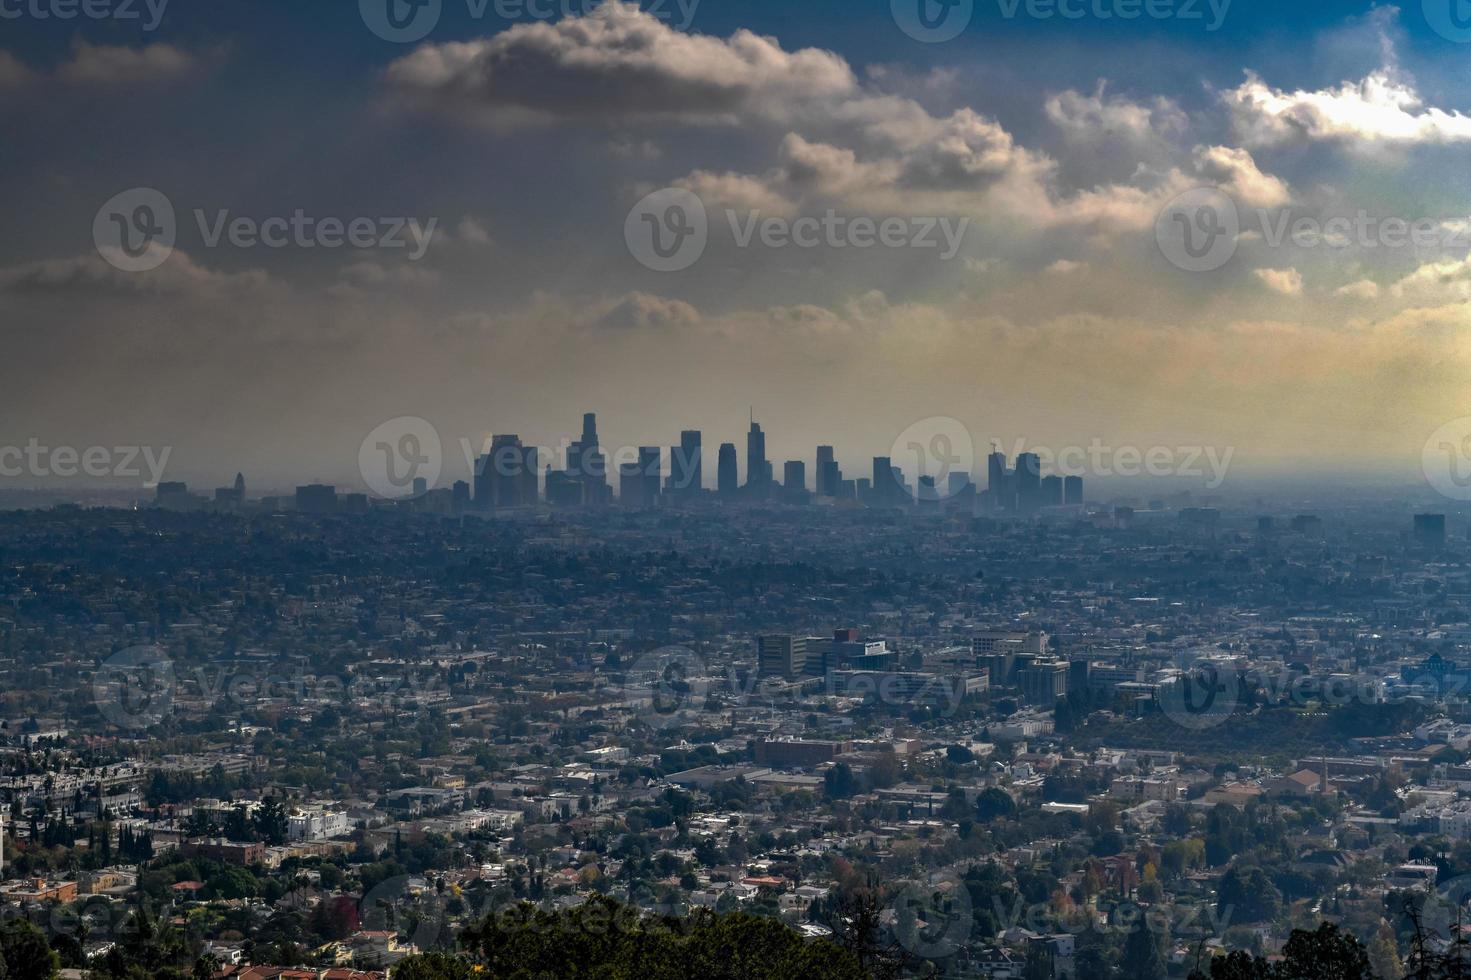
(14, 73)
(102, 65)
(1287, 282)
(1448, 278)
(1063, 267)
(1235, 172)
(1381, 108)
(617, 63)
(179, 274)
(1089, 118)
(1363, 289)
(639, 310)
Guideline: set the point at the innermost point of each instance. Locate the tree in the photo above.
(432, 966)
(1326, 954)
(994, 803)
(1144, 957)
(270, 821)
(25, 952)
(1248, 895)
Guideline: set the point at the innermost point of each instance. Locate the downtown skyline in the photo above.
(1331, 338)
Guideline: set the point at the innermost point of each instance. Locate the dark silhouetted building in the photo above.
(727, 475)
(687, 466)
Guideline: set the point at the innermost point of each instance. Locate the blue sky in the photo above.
(1055, 148)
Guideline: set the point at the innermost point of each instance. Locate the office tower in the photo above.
(781, 656)
(998, 483)
(758, 470)
(316, 499)
(529, 491)
(727, 478)
(1052, 492)
(928, 494)
(507, 476)
(484, 483)
(959, 486)
(687, 466)
(586, 463)
(461, 497)
(631, 486)
(1043, 682)
(232, 496)
(1430, 530)
(563, 489)
(826, 470)
(1072, 491)
(888, 489)
(421, 486)
(1028, 482)
(650, 467)
(794, 476)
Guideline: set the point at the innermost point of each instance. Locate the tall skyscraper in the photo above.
(883, 488)
(827, 472)
(1052, 491)
(1072, 491)
(1028, 482)
(507, 480)
(794, 476)
(758, 470)
(587, 465)
(728, 480)
(998, 483)
(687, 466)
(650, 468)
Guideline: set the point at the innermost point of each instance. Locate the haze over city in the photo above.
(736, 489)
(524, 143)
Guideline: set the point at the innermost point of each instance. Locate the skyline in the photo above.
(1331, 338)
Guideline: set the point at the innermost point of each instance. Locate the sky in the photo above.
(867, 227)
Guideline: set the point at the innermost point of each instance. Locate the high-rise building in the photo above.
(1044, 681)
(631, 486)
(1430, 530)
(687, 466)
(1072, 491)
(794, 476)
(650, 468)
(727, 476)
(888, 489)
(781, 656)
(1028, 482)
(827, 470)
(507, 473)
(586, 463)
(758, 470)
(999, 483)
(316, 498)
(1052, 492)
